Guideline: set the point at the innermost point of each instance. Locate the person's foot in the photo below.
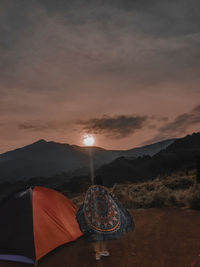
(98, 256)
(105, 253)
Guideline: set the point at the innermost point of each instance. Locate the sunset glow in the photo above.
(115, 69)
(88, 140)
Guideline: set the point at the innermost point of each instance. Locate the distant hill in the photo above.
(45, 159)
(180, 155)
(148, 149)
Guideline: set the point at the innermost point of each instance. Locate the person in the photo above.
(102, 217)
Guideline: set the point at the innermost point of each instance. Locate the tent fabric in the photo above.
(34, 222)
(51, 206)
(16, 225)
(17, 258)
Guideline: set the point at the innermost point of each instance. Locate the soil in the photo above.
(162, 238)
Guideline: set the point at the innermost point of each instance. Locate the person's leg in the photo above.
(104, 251)
(97, 249)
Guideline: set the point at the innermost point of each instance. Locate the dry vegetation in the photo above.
(176, 190)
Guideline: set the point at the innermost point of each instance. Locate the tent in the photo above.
(34, 222)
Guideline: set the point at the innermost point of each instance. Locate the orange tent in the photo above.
(37, 221)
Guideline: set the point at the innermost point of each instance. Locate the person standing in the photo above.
(102, 217)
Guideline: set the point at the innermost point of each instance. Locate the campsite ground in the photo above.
(162, 238)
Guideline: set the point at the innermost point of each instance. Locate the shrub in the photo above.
(179, 183)
(174, 190)
(194, 197)
(163, 192)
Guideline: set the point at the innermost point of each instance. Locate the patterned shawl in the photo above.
(101, 212)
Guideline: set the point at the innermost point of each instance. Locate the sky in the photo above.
(126, 71)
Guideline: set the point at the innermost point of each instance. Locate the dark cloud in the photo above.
(114, 127)
(54, 44)
(182, 122)
(178, 127)
(158, 17)
(30, 126)
(43, 126)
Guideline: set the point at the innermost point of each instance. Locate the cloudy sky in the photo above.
(127, 71)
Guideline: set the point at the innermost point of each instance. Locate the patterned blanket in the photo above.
(103, 217)
(101, 212)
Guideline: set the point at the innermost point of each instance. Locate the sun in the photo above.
(88, 140)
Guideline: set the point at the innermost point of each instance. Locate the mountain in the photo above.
(148, 149)
(182, 154)
(46, 159)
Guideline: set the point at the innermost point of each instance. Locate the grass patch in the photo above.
(173, 191)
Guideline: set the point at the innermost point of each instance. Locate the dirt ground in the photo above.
(162, 238)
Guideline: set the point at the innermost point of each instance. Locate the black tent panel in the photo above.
(16, 225)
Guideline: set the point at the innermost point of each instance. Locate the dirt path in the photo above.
(162, 238)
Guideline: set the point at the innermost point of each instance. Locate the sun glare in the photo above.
(88, 140)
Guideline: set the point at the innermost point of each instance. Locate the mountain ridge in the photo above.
(47, 158)
(180, 155)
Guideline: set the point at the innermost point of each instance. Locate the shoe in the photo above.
(105, 253)
(98, 256)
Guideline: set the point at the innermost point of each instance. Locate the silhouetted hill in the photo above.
(148, 149)
(45, 159)
(180, 155)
